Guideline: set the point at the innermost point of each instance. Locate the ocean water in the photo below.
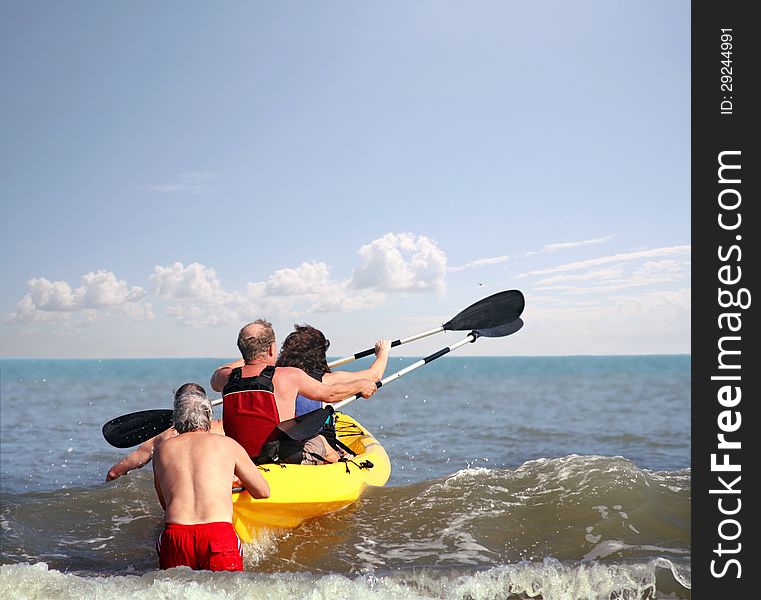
(512, 477)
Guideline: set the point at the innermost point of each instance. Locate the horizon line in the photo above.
(223, 358)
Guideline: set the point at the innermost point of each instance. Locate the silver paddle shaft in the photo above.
(394, 344)
(471, 337)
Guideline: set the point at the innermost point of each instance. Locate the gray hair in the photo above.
(192, 409)
(253, 346)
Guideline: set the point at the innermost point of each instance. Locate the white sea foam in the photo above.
(548, 579)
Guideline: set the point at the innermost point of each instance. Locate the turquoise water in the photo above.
(564, 476)
(454, 413)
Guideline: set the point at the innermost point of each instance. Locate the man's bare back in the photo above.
(143, 454)
(193, 473)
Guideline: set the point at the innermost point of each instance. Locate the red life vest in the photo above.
(250, 414)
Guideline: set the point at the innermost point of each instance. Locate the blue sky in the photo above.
(172, 171)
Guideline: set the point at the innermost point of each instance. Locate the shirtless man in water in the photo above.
(143, 454)
(193, 472)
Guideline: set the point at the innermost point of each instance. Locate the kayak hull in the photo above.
(301, 492)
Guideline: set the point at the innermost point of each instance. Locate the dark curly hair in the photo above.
(305, 348)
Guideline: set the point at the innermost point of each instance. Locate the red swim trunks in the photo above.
(207, 546)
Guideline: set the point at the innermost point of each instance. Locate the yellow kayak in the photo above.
(301, 492)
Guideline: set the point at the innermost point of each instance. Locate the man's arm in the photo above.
(249, 474)
(222, 374)
(139, 457)
(311, 388)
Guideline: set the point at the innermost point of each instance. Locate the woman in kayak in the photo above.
(306, 348)
(259, 400)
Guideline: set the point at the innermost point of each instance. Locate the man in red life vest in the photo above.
(193, 471)
(258, 397)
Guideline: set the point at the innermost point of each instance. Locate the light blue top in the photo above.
(305, 405)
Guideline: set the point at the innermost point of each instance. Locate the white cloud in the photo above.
(401, 262)
(341, 297)
(50, 295)
(103, 289)
(480, 262)
(601, 274)
(193, 183)
(197, 296)
(198, 299)
(615, 258)
(194, 295)
(547, 248)
(310, 286)
(650, 273)
(101, 295)
(194, 282)
(139, 311)
(569, 245)
(629, 302)
(394, 263)
(195, 314)
(664, 268)
(307, 278)
(27, 312)
(610, 304)
(646, 322)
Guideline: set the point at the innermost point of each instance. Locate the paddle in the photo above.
(501, 331)
(133, 429)
(307, 425)
(495, 310)
(488, 313)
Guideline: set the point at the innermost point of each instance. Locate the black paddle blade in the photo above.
(502, 330)
(306, 425)
(493, 311)
(133, 429)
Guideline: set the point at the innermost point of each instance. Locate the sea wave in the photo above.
(571, 525)
(546, 580)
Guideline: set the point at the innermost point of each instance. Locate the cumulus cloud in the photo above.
(100, 295)
(194, 282)
(311, 287)
(27, 312)
(307, 278)
(103, 289)
(198, 314)
(193, 294)
(394, 263)
(401, 262)
(197, 297)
